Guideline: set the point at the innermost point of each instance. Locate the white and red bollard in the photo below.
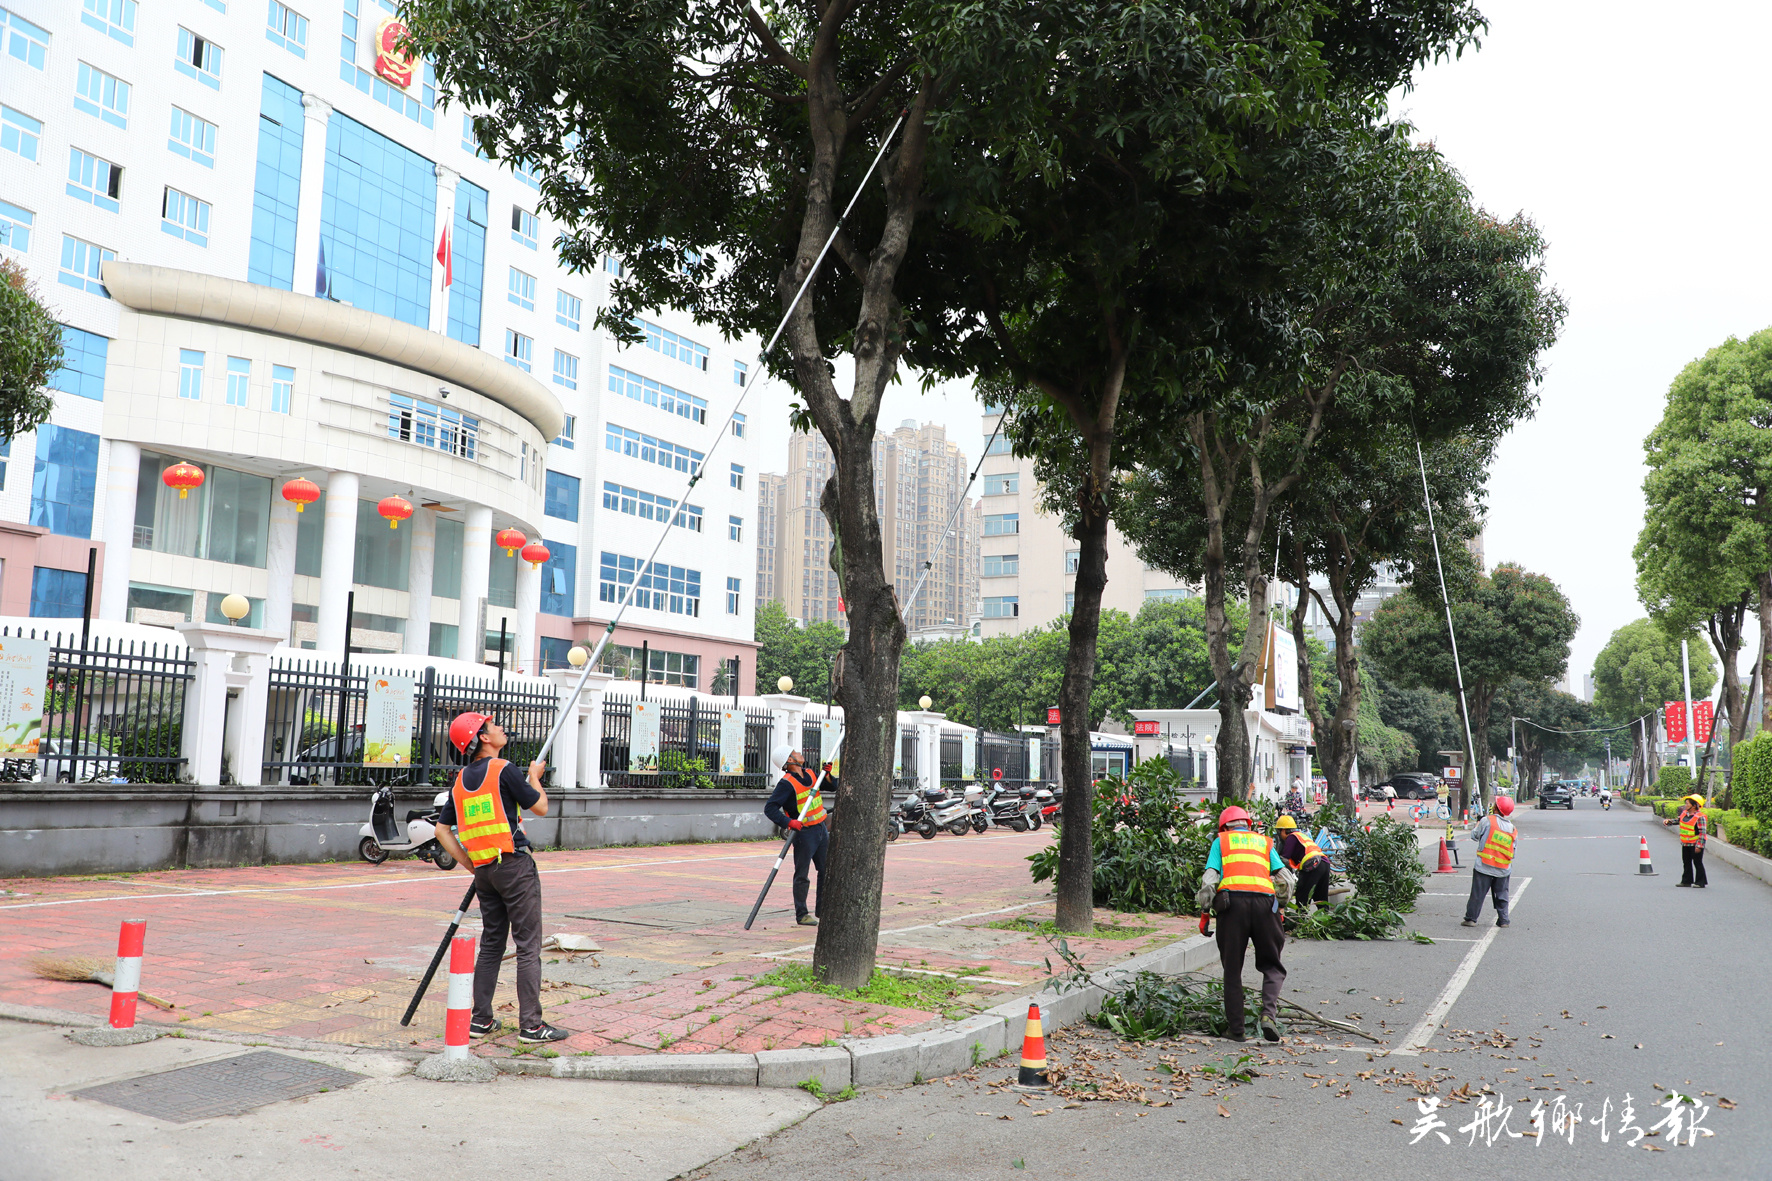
(460, 1005)
(127, 980)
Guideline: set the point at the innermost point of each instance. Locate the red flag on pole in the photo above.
(1675, 720)
(1702, 720)
(444, 257)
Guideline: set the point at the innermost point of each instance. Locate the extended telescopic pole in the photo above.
(1457, 667)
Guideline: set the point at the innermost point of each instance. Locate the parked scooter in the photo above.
(913, 816)
(1045, 803)
(979, 815)
(1010, 807)
(383, 837)
(947, 810)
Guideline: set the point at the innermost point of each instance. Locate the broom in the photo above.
(82, 970)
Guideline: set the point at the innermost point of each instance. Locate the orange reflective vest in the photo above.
(480, 821)
(1311, 852)
(1498, 851)
(809, 802)
(1692, 828)
(1248, 860)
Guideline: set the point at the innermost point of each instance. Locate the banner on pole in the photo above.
(1703, 718)
(643, 737)
(898, 757)
(732, 722)
(388, 722)
(1674, 720)
(830, 733)
(969, 755)
(1034, 744)
(24, 679)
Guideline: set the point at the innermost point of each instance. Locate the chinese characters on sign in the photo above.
(24, 678)
(732, 741)
(1702, 720)
(643, 737)
(1561, 1119)
(387, 726)
(1143, 729)
(1675, 720)
(1054, 715)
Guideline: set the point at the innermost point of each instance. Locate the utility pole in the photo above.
(1691, 736)
(1513, 754)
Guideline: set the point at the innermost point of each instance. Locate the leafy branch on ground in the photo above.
(1354, 919)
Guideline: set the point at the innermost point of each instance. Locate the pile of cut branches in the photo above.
(1152, 1005)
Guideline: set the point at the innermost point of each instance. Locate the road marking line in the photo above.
(1430, 1022)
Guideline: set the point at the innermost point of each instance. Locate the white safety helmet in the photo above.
(778, 758)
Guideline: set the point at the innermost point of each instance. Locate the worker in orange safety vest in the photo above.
(1693, 830)
(1247, 886)
(1495, 837)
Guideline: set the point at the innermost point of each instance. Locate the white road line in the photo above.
(1430, 1023)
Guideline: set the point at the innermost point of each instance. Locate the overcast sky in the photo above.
(1633, 134)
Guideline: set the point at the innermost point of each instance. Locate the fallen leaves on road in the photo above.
(1224, 1111)
(1726, 1104)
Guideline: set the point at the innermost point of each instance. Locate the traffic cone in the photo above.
(1033, 1055)
(1644, 868)
(1445, 858)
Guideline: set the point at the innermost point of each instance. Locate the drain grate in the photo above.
(229, 1086)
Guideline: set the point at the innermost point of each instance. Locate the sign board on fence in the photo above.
(969, 755)
(24, 679)
(387, 724)
(732, 741)
(643, 737)
(1454, 772)
(1034, 745)
(1145, 729)
(830, 733)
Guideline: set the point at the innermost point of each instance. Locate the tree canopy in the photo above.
(30, 352)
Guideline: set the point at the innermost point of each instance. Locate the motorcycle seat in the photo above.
(419, 814)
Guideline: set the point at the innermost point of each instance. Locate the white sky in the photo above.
(1632, 133)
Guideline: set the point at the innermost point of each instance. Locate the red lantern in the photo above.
(395, 509)
(184, 477)
(301, 493)
(511, 540)
(535, 553)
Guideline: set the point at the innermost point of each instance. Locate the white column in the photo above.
(476, 574)
(118, 532)
(564, 754)
(528, 607)
(785, 713)
(338, 558)
(280, 567)
(928, 746)
(224, 658)
(313, 188)
(446, 178)
(419, 575)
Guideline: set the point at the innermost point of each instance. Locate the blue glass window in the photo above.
(115, 17)
(738, 424)
(282, 388)
(413, 420)
(662, 587)
(15, 227)
(522, 290)
(467, 260)
(57, 594)
(19, 133)
(568, 433)
(732, 592)
(524, 227)
(468, 142)
(183, 216)
(565, 370)
(190, 375)
(619, 498)
(193, 137)
(568, 310)
(562, 496)
(739, 372)
(378, 222)
(83, 263)
(736, 476)
(1000, 446)
(559, 575)
(239, 380)
(5, 455)
(94, 180)
(103, 96)
(1002, 607)
(276, 190)
(24, 40)
(357, 27)
(519, 349)
(526, 173)
(656, 393)
(678, 348)
(287, 28)
(64, 481)
(198, 58)
(650, 450)
(1001, 524)
(735, 528)
(83, 364)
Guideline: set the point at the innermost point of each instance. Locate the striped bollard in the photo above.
(461, 997)
(127, 979)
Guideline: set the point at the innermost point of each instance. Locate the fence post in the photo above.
(785, 713)
(224, 659)
(427, 705)
(928, 724)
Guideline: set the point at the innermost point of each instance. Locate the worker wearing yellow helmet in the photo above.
(1302, 856)
(1692, 833)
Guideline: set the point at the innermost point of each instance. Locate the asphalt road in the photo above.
(1606, 985)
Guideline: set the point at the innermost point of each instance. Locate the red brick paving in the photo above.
(332, 951)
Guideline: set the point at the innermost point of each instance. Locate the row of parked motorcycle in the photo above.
(928, 810)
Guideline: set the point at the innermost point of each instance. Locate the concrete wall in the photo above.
(46, 830)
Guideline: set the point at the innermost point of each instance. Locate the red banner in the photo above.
(1702, 719)
(1146, 728)
(1674, 718)
(1052, 716)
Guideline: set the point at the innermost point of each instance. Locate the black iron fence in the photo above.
(688, 745)
(1008, 753)
(112, 711)
(314, 724)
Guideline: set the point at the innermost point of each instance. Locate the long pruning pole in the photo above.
(1457, 666)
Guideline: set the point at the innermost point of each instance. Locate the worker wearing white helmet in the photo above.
(796, 805)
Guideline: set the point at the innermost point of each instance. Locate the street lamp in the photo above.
(785, 685)
(236, 608)
(576, 656)
(924, 702)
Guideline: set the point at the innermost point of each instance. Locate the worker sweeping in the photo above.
(1247, 886)
(1494, 836)
(479, 826)
(1693, 830)
(1305, 859)
(794, 790)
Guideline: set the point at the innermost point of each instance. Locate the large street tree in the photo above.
(1637, 672)
(30, 352)
(1510, 624)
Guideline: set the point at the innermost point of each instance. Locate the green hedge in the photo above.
(1753, 778)
(1673, 782)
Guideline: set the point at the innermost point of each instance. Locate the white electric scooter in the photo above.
(383, 836)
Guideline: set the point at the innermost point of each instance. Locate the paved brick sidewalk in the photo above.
(332, 952)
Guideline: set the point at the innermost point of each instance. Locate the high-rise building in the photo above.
(277, 256)
(804, 580)
(770, 490)
(1028, 565)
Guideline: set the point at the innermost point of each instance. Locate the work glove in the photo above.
(1284, 880)
(1208, 887)
(795, 825)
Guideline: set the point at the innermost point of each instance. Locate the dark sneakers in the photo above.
(479, 1028)
(544, 1032)
(1270, 1029)
(807, 920)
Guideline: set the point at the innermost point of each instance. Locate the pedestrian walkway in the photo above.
(332, 952)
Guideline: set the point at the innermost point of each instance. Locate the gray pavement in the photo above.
(1674, 972)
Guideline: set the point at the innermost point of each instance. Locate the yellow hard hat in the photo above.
(1696, 799)
(1285, 822)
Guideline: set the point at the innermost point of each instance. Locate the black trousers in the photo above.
(1243, 917)
(1692, 866)
(509, 891)
(1313, 882)
(1482, 886)
(809, 850)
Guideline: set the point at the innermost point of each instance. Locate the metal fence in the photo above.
(1008, 753)
(314, 724)
(111, 711)
(688, 745)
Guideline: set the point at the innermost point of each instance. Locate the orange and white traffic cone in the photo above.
(1644, 868)
(1033, 1055)
(1445, 858)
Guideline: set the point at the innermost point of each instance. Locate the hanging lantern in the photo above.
(301, 493)
(184, 477)
(395, 509)
(510, 540)
(535, 553)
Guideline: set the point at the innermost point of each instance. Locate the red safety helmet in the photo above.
(465, 729)
(1230, 816)
(1504, 805)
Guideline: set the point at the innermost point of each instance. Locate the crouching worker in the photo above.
(1248, 887)
(1302, 856)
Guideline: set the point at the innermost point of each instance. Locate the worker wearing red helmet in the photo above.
(1495, 837)
(1247, 886)
(480, 826)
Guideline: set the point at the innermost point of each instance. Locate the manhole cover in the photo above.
(230, 1086)
(674, 916)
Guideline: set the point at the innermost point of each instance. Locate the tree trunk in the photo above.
(1765, 650)
(1336, 736)
(1725, 635)
(1076, 857)
(1477, 773)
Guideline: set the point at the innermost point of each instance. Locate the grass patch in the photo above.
(1049, 927)
(928, 993)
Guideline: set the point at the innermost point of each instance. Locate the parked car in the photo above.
(63, 762)
(1413, 785)
(1556, 795)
